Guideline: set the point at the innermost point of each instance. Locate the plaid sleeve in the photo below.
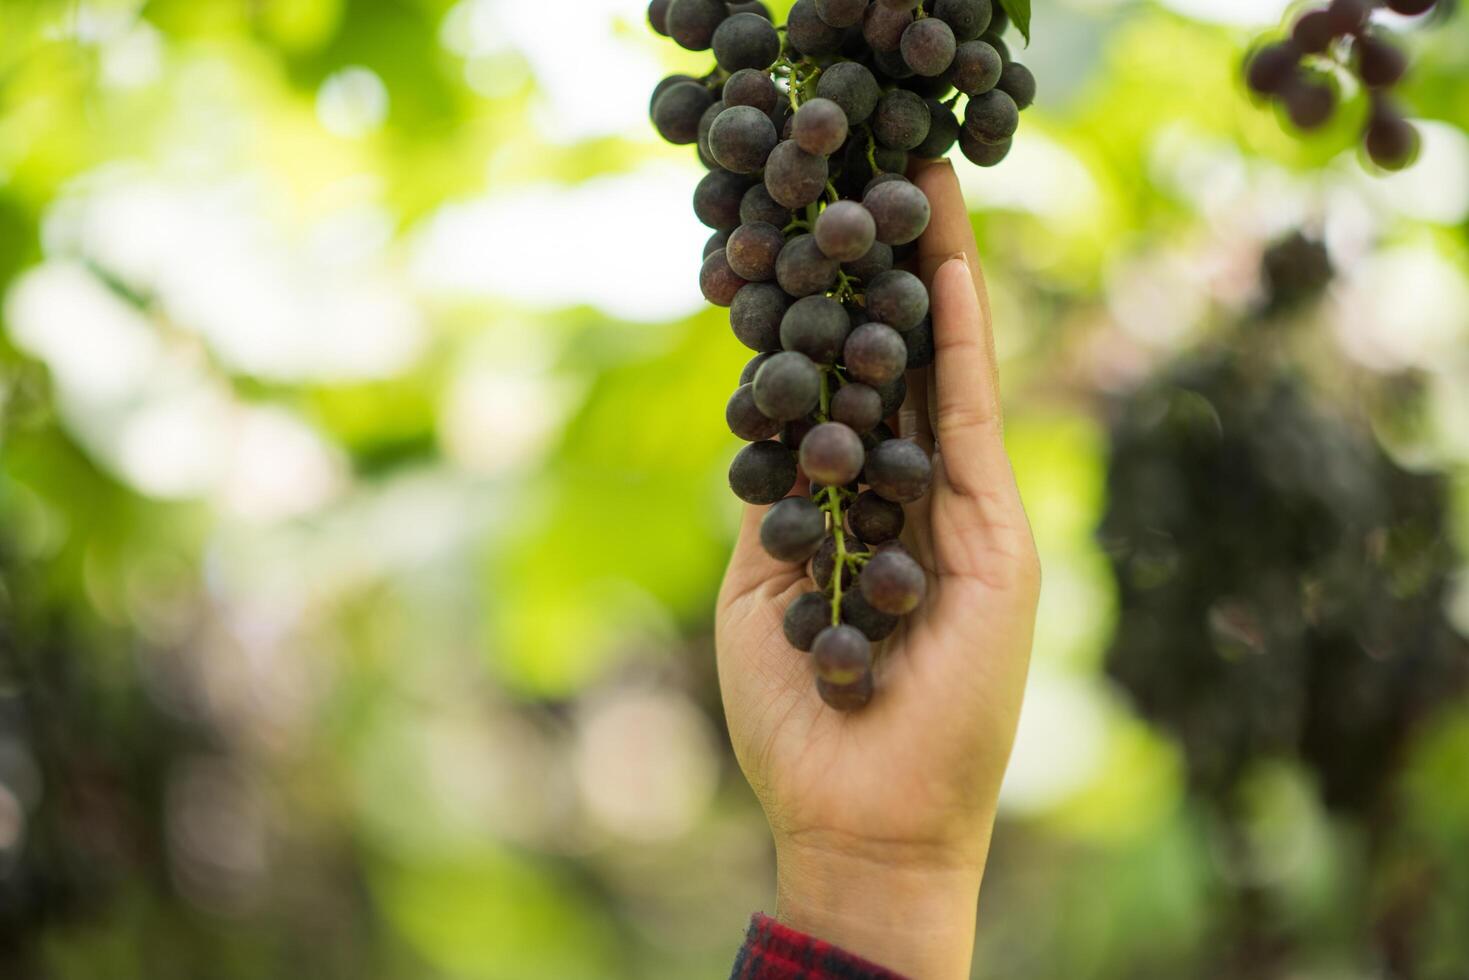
(774, 952)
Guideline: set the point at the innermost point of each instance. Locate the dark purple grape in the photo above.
(992, 117)
(1273, 67)
(968, 18)
(999, 21)
(875, 624)
(890, 159)
(943, 132)
(857, 406)
(706, 123)
(993, 39)
(692, 23)
(793, 432)
(1392, 141)
(676, 113)
(841, 13)
(752, 251)
(1380, 63)
(746, 41)
(664, 86)
(1348, 16)
(658, 16)
(751, 7)
(883, 27)
(1410, 8)
(845, 231)
(745, 420)
(928, 47)
(908, 5)
(902, 118)
(897, 298)
(715, 243)
(982, 154)
(809, 34)
(1314, 31)
(842, 655)
(757, 206)
(792, 530)
(899, 470)
(717, 199)
(875, 354)
(937, 87)
(741, 139)
(816, 326)
(824, 563)
(847, 697)
(893, 395)
(920, 345)
(762, 473)
(1017, 82)
(891, 66)
(803, 269)
(832, 454)
(788, 386)
(755, 316)
(747, 373)
(752, 88)
(794, 177)
(819, 127)
(875, 519)
(892, 582)
(1309, 103)
(718, 281)
(806, 616)
(853, 87)
(879, 259)
(900, 209)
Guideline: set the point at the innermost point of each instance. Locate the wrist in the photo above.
(904, 909)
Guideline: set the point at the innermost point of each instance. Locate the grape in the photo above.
(902, 119)
(741, 138)
(757, 207)
(883, 27)
(718, 281)
(746, 41)
(832, 454)
(920, 345)
(853, 87)
(874, 624)
(717, 199)
(794, 177)
(846, 697)
(756, 313)
(1314, 32)
(824, 563)
(792, 530)
(1272, 67)
(1348, 16)
(762, 473)
(857, 406)
(891, 66)
(992, 117)
(788, 386)
(820, 127)
(900, 209)
(875, 519)
(805, 617)
(795, 431)
(1017, 82)
(751, 7)
(1410, 8)
(845, 231)
(943, 132)
(928, 47)
(879, 259)
(899, 470)
(752, 88)
(842, 655)
(664, 86)
(982, 154)
(977, 68)
(967, 18)
(897, 298)
(999, 20)
(1309, 103)
(875, 354)
(658, 16)
(676, 112)
(1392, 142)
(808, 34)
(1380, 63)
(745, 420)
(908, 5)
(715, 243)
(692, 22)
(841, 13)
(993, 39)
(752, 250)
(747, 373)
(817, 327)
(881, 434)
(893, 394)
(802, 269)
(892, 582)
(706, 123)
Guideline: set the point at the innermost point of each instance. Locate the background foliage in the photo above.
(361, 503)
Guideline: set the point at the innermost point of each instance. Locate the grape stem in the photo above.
(834, 508)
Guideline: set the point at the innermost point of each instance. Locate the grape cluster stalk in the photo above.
(807, 130)
(1300, 71)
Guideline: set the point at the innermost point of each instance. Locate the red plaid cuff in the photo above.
(773, 952)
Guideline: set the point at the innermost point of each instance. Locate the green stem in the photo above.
(872, 152)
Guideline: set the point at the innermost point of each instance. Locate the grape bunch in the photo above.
(807, 131)
(1299, 73)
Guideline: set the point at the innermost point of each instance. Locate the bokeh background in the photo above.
(362, 505)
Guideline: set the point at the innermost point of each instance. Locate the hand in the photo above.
(882, 817)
